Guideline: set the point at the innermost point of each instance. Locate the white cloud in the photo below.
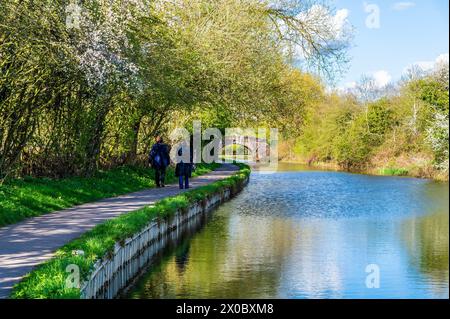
(340, 21)
(425, 65)
(326, 26)
(347, 87)
(379, 80)
(382, 78)
(400, 6)
(442, 59)
(428, 66)
(326, 20)
(350, 85)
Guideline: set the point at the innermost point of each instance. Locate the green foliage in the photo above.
(74, 99)
(48, 280)
(394, 171)
(434, 93)
(353, 147)
(438, 137)
(380, 119)
(411, 125)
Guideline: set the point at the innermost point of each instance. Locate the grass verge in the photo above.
(394, 171)
(30, 197)
(49, 279)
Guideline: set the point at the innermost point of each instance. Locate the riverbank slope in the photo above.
(418, 167)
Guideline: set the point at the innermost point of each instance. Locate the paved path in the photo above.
(33, 241)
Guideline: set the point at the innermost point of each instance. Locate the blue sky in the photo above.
(409, 32)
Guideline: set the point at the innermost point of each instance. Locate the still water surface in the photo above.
(311, 234)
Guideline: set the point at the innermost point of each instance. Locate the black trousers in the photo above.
(160, 176)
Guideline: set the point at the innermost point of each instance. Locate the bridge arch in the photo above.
(256, 149)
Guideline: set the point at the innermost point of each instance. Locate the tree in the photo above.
(86, 85)
(313, 34)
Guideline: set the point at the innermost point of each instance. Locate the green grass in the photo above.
(394, 171)
(29, 197)
(48, 279)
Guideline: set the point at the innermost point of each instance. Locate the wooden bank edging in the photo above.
(116, 271)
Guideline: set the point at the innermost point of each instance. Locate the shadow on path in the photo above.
(31, 242)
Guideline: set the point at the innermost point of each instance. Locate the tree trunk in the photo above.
(132, 153)
(95, 141)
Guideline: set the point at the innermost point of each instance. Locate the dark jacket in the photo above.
(159, 157)
(184, 169)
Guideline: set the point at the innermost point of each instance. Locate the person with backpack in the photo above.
(185, 166)
(159, 159)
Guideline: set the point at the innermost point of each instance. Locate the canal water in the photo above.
(297, 233)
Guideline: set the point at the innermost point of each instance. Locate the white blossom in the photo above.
(102, 40)
(438, 137)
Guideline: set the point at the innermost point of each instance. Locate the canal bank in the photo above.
(417, 170)
(114, 273)
(78, 263)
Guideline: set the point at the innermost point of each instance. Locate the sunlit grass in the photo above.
(48, 280)
(29, 197)
(394, 171)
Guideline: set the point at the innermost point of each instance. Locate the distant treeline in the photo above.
(402, 128)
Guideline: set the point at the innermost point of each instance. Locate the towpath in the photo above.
(33, 241)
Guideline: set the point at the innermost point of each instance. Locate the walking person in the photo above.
(183, 169)
(159, 160)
